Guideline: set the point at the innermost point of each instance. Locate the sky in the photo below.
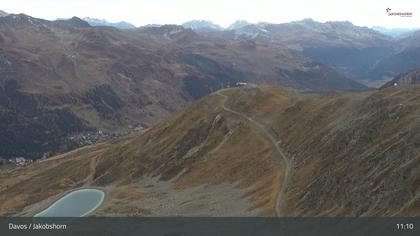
(223, 12)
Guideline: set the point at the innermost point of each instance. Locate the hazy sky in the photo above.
(223, 12)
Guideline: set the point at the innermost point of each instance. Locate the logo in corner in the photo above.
(400, 14)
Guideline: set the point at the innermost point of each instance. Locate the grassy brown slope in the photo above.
(353, 154)
(202, 146)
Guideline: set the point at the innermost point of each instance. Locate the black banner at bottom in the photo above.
(180, 226)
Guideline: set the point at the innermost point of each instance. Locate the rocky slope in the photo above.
(61, 78)
(251, 151)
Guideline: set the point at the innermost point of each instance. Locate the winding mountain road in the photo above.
(282, 194)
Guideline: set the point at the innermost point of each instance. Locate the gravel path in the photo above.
(282, 195)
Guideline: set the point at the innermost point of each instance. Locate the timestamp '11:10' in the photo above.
(409, 226)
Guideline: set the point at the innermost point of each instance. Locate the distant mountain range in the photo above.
(99, 22)
(394, 32)
(238, 24)
(2, 13)
(201, 25)
(96, 22)
(74, 22)
(360, 53)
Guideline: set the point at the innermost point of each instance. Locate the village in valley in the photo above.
(81, 140)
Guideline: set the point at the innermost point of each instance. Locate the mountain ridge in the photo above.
(74, 22)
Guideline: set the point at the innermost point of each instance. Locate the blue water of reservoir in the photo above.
(75, 204)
